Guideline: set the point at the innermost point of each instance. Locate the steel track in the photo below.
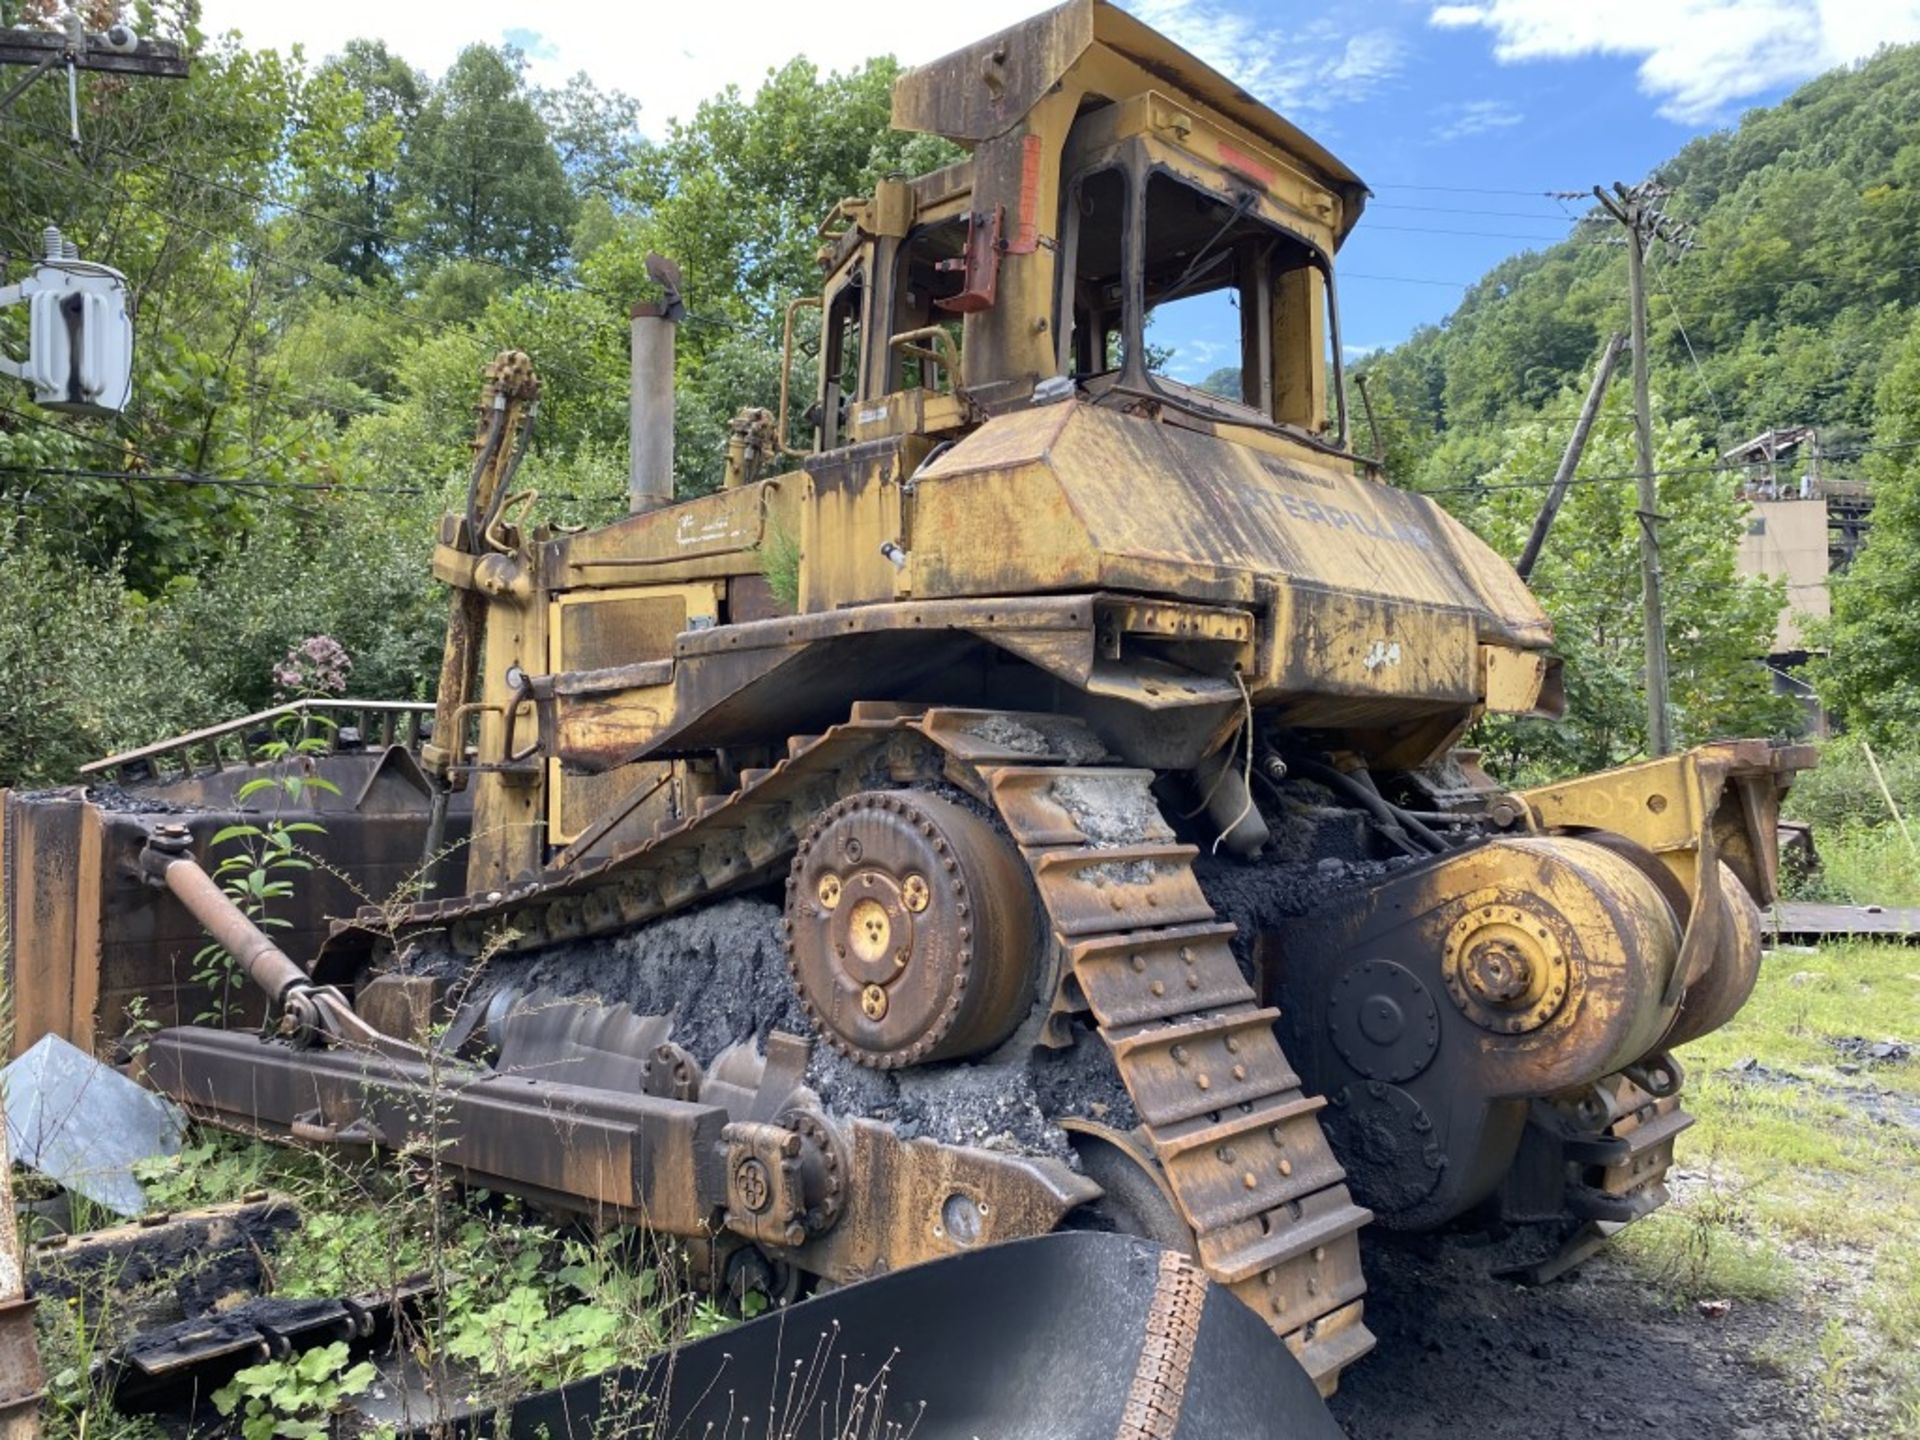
(1238, 1143)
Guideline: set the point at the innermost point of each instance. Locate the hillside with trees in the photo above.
(1794, 305)
(325, 250)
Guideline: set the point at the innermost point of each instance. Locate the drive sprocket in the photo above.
(909, 929)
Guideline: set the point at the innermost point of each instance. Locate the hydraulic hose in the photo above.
(1390, 816)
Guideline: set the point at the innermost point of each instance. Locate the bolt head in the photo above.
(1498, 973)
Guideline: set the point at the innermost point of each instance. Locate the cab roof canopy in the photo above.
(978, 93)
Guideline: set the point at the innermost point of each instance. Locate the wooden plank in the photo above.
(1801, 921)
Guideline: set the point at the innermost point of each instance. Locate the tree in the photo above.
(594, 132)
(481, 171)
(1588, 578)
(354, 183)
(736, 195)
(1871, 676)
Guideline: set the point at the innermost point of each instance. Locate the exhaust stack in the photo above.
(650, 478)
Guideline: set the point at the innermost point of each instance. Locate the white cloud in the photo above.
(671, 57)
(1296, 69)
(1475, 117)
(1697, 57)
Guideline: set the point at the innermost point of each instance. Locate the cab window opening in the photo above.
(1233, 314)
(920, 286)
(841, 345)
(1094, 303)
(1209, 288)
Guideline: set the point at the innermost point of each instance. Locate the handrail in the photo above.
(400, 720)
(945, 352)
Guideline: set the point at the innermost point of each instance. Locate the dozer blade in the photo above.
(1070, 1336)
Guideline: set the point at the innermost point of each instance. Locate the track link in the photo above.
(1239, 1142)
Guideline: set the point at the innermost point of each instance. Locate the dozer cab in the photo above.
(1028, 795)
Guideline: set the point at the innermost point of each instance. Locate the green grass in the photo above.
(515, 1304)
(1865, 864)
(1708, 1249)
(1811, 1194)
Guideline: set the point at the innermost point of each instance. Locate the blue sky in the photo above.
(1461, 116)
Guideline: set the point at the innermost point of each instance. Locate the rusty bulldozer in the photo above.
(1027, 796)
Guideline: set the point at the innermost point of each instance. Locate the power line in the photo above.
(1473, 210)
(1468, 234)
(1466, 190)
(1465, 486)
(1660, 279)
(1346, 275)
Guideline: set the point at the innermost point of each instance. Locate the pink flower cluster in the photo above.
(318, 665)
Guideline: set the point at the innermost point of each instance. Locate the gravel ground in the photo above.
(1596, 1353)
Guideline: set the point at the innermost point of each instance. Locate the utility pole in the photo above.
(1639, 210)
(118, 50)
(1570, 458)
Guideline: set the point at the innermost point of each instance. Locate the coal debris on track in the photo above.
(720, 974)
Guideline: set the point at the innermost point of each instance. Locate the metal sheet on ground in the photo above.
(1803, 921)
(84, 1124)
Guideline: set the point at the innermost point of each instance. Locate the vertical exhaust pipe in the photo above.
(650, 478)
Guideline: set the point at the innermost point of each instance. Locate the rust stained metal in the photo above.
(380, 723)
(1064, 479)
(910, 932)
(632, 1158)
(680, 1167)
(1159, 1387)
(89, 937)
(1429, 1011)
(978, 93)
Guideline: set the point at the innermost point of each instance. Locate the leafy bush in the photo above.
(294, 1397)
(1841, 791)
(91, 666)
(86, 665)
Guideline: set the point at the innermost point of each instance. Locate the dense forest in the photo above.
(324, 250)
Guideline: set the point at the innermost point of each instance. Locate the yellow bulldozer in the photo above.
(1027, 796)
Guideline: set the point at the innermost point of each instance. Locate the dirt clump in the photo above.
(1040, 735)
(1110, 809)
